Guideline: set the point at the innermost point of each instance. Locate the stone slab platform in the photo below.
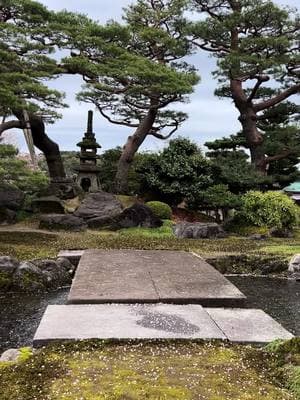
(248, 325)
(155, 321)
(140, 276)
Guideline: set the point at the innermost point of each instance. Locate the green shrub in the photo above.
(270, 209)
(160, 209)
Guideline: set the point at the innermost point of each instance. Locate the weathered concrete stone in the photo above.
(137, 215)
(156, 321)
(294, 264)
(137, 276)
(117, 321)
(248, 325)
(11, 198)
(73, 256)
(99, 204)
(48, 205)
(198, 230)
(62, 222)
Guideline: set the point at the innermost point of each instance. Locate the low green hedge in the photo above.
(160, 209)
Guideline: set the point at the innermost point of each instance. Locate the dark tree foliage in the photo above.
(26, 62)
(178, 173)
(255, 42)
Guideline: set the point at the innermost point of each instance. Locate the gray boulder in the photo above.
(29, 278)
(100, 222)
(8, 266)
(65, 222)
(55, 275)
(66, 265)
(10, 355)
(137, 215)
(11, 198)
(198, 230)
(48, 205)
(99, 205)
(7, 216)
(281, 233)
(294, 264)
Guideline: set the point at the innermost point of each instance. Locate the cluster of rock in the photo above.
(11, 201)
(36, 275)
(294, 267)
(101, 210)
(198, 230)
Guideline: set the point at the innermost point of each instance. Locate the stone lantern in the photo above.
(88, 171)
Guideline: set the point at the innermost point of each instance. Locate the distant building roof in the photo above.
(293, 187)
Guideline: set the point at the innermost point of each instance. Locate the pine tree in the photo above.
(26, 62)
(134, 72)
(255, 42)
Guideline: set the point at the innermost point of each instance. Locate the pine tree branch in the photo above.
(164, 137)
(260, 80)
(277, 99)
(10, 125)
(279, 156)
(113, 121)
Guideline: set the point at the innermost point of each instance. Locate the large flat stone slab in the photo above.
(248, 325)
(120, 321)
(137, 276)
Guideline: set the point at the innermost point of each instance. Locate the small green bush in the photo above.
(160, 209)
(270, 209)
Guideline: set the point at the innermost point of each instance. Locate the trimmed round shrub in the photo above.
(270, 209)
(160, 209)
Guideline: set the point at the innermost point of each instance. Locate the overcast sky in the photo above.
(209, 117)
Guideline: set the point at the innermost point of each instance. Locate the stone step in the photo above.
(155, 321)
(143, 276)
(73, 256)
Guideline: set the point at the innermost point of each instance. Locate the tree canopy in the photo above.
(255, 43)
(134, 72)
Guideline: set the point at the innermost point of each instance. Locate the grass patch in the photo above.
(26, 245)
(287, 362)
(30, 245)
(164, 231)
(287, 250)
(134, 371)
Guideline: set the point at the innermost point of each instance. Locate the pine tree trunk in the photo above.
(254, 139)
(49, 148)
(248, 120)
(131, 147)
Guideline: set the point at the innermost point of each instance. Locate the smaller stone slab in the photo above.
(248, 325)
(120, 321)
(73, 256)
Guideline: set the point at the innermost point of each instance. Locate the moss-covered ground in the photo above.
(27, 243)
(136, 371)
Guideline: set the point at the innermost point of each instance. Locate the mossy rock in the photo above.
(250, 264)
(29, 278)
(127, 201)
(5, 281)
